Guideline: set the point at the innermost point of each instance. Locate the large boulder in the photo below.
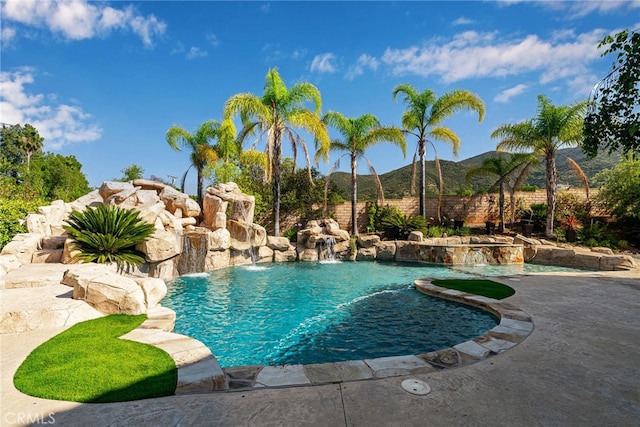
(278, 243)
(161, 245)
(106, 291)
(242, 205)
(215, 209)
(219, 240)
(154, 290)
(37, 223)
(109, 188)
(175, 200)
(91, 199)
(23, 246)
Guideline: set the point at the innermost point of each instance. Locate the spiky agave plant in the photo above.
(108, 234)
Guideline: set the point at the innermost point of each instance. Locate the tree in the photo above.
(504, 168)
(424, 117)
(613, 119)
(275, 116)
(620, 187)
(552, 128)
(20, 143)
(202, 152)
(61, 177)
(131, 172)
(360, 134)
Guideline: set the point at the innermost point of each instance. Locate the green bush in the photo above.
(595, 235)
(529, 188)
(399, 226)
(109, 234)
(12, 212)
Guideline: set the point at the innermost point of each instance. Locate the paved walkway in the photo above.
(581, 366)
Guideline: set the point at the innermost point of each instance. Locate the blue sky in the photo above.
(103, 81)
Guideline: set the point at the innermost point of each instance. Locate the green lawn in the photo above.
(88, 363)
(487, 288)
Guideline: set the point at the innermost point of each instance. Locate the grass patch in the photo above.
(486, 288)
(88, 363)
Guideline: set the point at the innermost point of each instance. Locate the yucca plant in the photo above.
(108, 234)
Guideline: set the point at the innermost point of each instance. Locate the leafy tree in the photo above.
(423, 119)
(28, 173)
(552, 128)
(275, 116)
(132, 172)
(504, 169)
(202, 152)
(20, 143)
(62, 177)
(613, 119)
(620, 187)
(360, 134)
(108, 234)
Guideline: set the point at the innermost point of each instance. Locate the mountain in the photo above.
(396, 183)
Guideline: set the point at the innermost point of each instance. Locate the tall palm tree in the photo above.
(31, 142)
(275, 115)
(552, 128)
(504, 168)
(423, 119)
(359, 135)
(202, 152)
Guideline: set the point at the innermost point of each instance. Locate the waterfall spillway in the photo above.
(328, 251)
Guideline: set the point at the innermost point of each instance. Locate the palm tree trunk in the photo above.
(277, 160)
(354, 198)
(551, 193)
(423, 201)
(501, 202)
(200, 187)
(512, 198)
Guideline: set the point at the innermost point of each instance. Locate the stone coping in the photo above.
(515, 325)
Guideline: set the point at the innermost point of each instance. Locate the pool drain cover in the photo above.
(416, 387)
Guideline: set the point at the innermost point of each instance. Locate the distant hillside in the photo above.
(396, 183)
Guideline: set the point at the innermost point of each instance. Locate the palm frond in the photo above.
(580, 173)
(376, 179)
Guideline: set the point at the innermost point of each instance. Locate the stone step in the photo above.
(198, 369)
(50, 307)
(161, 318)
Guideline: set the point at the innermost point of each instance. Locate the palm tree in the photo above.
(504, 168)
(423, 118)
(275, 115)
(552, 128)
(360, 134)
(31, 142)
(202, 152)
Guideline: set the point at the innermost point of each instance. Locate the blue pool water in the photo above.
(315, 313)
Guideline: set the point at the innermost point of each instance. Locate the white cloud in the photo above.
(80, 19)
(7, 35)
(213, 39)
(324, 63)
(59, 124)
(463, 21)
(196, 52)
(364, 61)
(507, 94)
(476, 55)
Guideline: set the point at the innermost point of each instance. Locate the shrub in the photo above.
(399, 226)
(529, 188)
(12, 212)
(108, 234)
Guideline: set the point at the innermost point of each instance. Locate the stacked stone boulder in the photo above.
(321, 236)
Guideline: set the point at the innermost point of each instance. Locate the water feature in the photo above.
(328, 251)
(313, 312)
(475, 257)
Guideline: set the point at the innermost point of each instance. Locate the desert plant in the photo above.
(108, 234)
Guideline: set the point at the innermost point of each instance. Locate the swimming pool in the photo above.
(315, 313)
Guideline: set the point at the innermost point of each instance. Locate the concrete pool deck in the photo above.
(580, 366)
